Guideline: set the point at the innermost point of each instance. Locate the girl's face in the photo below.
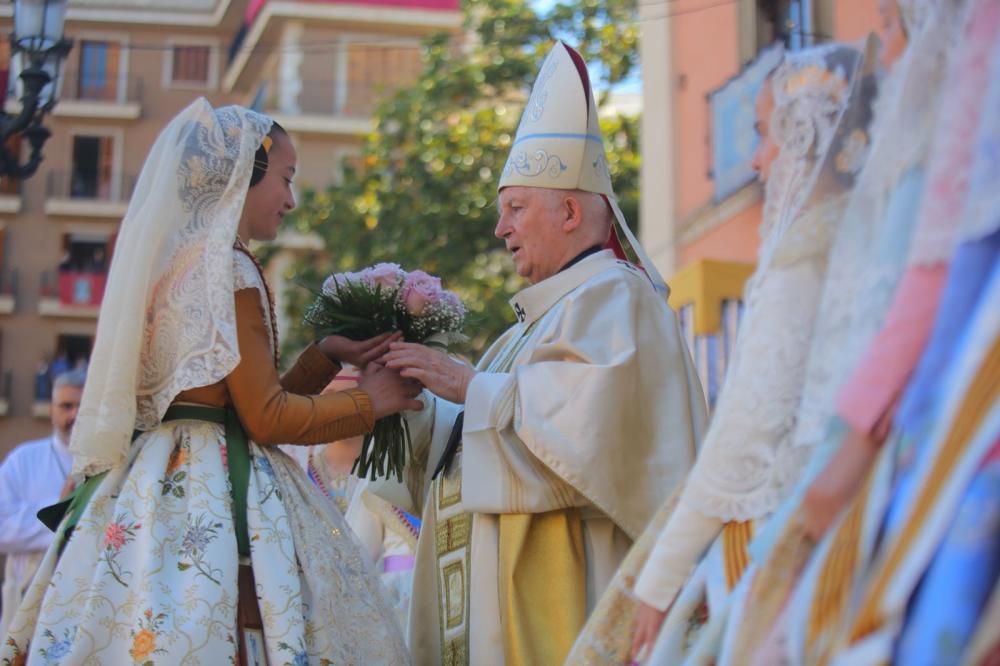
(269, 200)
(767, 149)
(892, 34)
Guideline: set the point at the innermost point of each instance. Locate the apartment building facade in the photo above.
(318, 67)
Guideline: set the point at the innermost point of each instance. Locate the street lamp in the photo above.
(38, 37)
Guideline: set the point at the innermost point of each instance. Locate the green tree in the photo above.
(423, 192)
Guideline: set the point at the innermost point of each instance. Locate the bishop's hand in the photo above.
(358, 353)
(388, 391)
(439, 373)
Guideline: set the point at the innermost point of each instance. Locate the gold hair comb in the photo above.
(266, 144)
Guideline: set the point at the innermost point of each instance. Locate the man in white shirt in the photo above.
(35, 475)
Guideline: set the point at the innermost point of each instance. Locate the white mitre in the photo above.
(559, 146)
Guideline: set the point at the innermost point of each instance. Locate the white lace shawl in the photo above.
(982, 213)
(168, 320)
(964, 70)
(852, 257)
(933, 26)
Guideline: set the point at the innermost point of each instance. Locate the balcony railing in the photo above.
(72, 293)
(89, 97)
(108, 89)
(70, 194)
(67, 185)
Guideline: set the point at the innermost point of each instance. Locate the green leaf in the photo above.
(183, 566)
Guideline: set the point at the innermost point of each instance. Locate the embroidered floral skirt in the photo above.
(150, 573)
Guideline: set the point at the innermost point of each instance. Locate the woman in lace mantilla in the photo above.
(746, 463)
(201, 541)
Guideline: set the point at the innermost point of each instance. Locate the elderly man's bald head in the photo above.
(544, 229)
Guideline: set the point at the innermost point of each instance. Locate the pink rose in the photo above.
(385, 274)
(419, 291)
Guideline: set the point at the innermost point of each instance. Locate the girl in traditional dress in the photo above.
(866, 264)
(193, 539)
(922, 536)
(747, 462)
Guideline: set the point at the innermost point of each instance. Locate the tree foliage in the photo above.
(423, 192)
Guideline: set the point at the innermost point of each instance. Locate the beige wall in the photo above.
(706, 54)
(853, 19)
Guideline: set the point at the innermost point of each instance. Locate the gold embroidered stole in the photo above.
(453, 538)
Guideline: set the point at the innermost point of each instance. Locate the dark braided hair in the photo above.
(260, 157)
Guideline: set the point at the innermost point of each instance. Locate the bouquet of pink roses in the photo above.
(381, 299)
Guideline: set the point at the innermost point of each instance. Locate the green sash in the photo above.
(237, 453)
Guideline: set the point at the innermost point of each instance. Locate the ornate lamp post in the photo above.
(38, 37)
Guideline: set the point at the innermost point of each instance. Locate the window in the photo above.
(191, 65)
(83, 270)
(99, 67)
(85, 253)
(91, 176)
(72, 351)
(10, 186)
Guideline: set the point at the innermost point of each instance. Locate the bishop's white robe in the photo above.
(589, 403)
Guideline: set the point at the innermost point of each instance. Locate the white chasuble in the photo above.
(589, 403)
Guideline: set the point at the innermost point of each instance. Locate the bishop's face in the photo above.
(529, 225)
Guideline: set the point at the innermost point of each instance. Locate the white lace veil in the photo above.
(823, 98)
(933, 27)
(818, 123)
(168, 321)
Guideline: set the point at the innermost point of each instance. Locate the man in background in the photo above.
(35, 475)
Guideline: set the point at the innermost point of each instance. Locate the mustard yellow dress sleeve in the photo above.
(270, 412)
(311, 373)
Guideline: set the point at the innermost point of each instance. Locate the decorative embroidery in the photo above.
(601, 166)
(173, 480)
(57, 649)
(519, 311)
(198, 535)
(536, 105)
(144, 639)
(853, 154)
(118, 534)
(541, 162)
(18, 657)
